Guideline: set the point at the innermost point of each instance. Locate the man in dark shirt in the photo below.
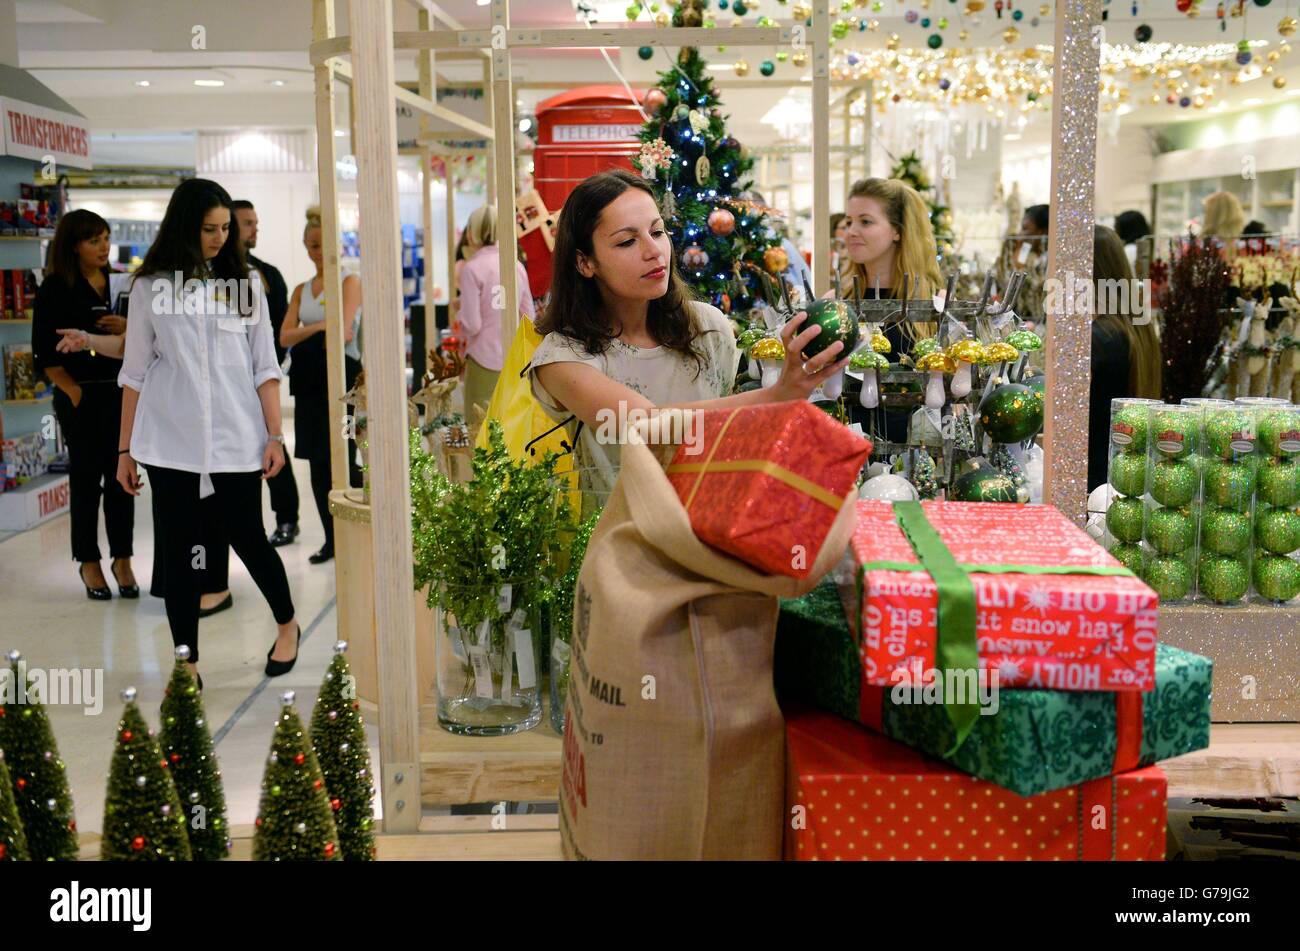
(284, 489)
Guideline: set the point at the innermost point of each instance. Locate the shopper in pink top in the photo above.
(482, 299)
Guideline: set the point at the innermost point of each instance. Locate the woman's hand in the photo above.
(112, 324)
(74, 341)
(272, 459)
(128, 477)
(798, 379)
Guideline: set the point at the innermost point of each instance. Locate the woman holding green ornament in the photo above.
(624, 339)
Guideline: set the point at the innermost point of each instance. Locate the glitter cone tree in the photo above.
(40, 779)
(187, 746)
(294, 820)
(13, 842)
(698, 172)
(338, 736)
(143, 820)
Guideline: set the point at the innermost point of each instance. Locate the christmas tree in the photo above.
(143, 819)
(339, 738)
(187, 747)
(39, 775)
(723, 243)
(908, 169)
(294, 820)
(13, 842)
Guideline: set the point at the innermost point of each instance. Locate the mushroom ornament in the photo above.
(936, 364)
(1026, 342)
(964, 353)
(769, 353)
(868, 361)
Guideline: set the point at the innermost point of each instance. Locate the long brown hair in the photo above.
(74, 228)
(1110, 263)
(576, 308)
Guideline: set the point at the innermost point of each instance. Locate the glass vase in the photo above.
(488, 660)
(559, 683)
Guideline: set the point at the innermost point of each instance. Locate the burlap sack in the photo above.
(674, 747)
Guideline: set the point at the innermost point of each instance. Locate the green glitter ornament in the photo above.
(1230, 485)
(1170, 577)
(986, 485)
(837, 322)
(1174, 482)
(1131, 557)
(1124, 519)
(1128, 428)
(1128, 473)
(1011, 413)
(1223, 579)
(1230, 433)
(1279, 432)
(1174, 433)
(1277, 531)
(1279, 482)
(1224, 531)
(1277, 577)
(1170, 531)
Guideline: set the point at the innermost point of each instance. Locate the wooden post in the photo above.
(428, 90)
(489, 100)
(323, 28)
(385, 361)
(450, 162)
(847, 139)
(821, 93)
(503, 168)
(866, 130)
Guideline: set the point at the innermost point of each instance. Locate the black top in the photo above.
(277, 298)
(79, 306)
(1110, 375)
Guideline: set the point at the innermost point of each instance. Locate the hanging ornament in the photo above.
(661, 20)
(799, 58)
(997, 6)
(776, 260)
(964, 35)
(1044, 10)
(738, 8)
(1279, 82)
(892, 42)
(1010, 35)
(934, 40)
(911, 15)
(1143, 33)
(741, 67)
(767, 67)
(702, 170)
(721, 222)
(1243, 52)
(945, 84)
(1017, 14)
(699, 122)
(695, 258)
(1286, 26)
(668, 204)
(645, 52)
(801, 11)
(654, 156)
(925, 23)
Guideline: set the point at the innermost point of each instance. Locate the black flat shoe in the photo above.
(226, 602)
(284, 535)
(277, 668)
(325, 554)
(126, 590)
(95, 594)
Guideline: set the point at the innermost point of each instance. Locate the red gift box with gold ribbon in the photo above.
(855, 795)
(765, 483)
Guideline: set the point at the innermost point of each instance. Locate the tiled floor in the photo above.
(45, 614)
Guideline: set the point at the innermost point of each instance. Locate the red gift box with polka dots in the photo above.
(853, 795)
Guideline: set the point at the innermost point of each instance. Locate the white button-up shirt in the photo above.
(197, 366)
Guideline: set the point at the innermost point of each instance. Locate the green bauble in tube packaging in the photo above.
(1279, 432)
(1124, 519)
(1230, 484)
(1277, 530)
(1128, 428)
(1174, 482)
(1224, 579)
(1174, 433)
(1128, 473)
(1230, 433)
(1277, 577)
(1279, 482)
(1170, 531)
(1169, 576)
(1225, 531)
(1131, 557)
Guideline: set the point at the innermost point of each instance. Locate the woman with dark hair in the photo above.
(78, 293)
(624, 336)
(201, 407)
(1131, 225)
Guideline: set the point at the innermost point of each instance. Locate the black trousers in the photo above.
(236, 505)
(284, 496)
(320, 488)
(91, 430)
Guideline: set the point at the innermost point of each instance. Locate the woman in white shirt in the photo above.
(201, 407)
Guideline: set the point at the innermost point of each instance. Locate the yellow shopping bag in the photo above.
(528, 431)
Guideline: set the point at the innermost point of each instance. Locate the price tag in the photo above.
(482, 672)
(507, 675)
(559, 655)
(503, 599)
(484, 631)
(524, 655)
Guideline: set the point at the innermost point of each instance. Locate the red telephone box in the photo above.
(582, 132)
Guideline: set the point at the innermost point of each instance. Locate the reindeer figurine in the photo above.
(1286, 363)
(356, 398)
(442, 429)
(1257, 347)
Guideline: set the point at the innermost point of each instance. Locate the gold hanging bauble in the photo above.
(892, 42)
(741, 67)
(1195, 69)
(1286, 26)
(1045, 9)
(974, 6)
(1273, 56)
(799, 58)
(662, 19)
(1010, 35)
(861, 3)
(801, 11)
(1279, 82)
(873, 25)
(1198, 102)
(1284, 48)
(1155, 100)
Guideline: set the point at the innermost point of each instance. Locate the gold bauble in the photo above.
(1286, 26)
(1045, 10)
(1195, 69)
(974, 6)
(1193, 13)
(1198, 102)
(873, 25)
(1279, 82)
(662, 19)
(741, 67)
(1273, 56)
(963, 35)
(801, 11)
(1010, 35)
(892, 42)
(1267, 70)
(1284, 48)
(861, 3)
(1155, 100)
(799, 58)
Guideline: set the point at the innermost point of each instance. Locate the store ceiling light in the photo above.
(142, 82)
(209, 82)
(276, 82)
(481, 3)
(339, 133)
(1253, 101)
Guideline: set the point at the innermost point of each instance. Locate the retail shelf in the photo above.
(26, 237)
(34, 402)
(24, 320)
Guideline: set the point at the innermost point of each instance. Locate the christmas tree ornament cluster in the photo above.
(295, 821)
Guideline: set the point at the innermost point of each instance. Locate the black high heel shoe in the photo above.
(126, 590)
(95, 594)
(277, 668)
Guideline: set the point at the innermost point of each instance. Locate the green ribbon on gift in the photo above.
(956, 647)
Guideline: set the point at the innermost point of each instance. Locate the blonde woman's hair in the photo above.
(482, 226)
(916, 254)
(1110, 263)
(313, 219)
(1224, 219)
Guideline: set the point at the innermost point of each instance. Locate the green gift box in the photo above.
(1027, 741)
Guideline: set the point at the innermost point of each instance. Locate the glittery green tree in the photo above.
(13, 842)
(294, 820)
(143, 819)
(338, 736)
(39, 776)
(187, 746)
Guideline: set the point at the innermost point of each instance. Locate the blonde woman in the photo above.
(482, 301)
(1223, 219)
